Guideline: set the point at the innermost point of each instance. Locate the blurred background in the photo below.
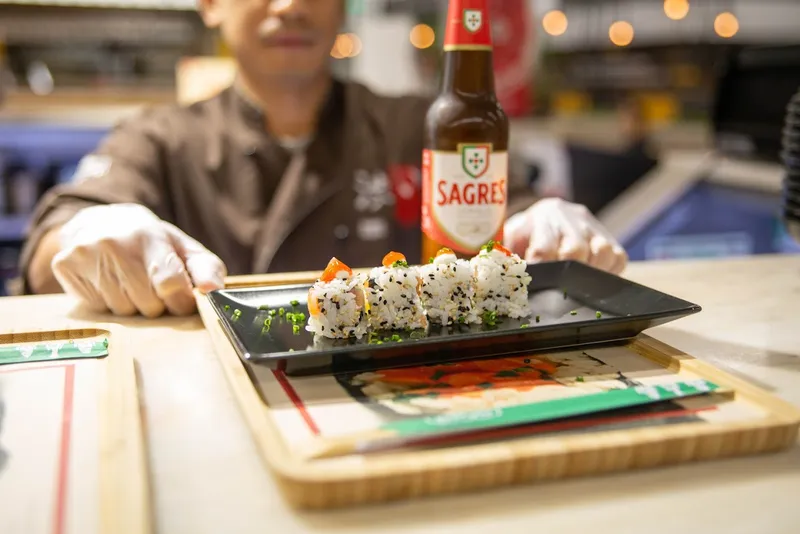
(663, 117)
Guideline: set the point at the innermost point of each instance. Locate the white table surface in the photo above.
(207, 477)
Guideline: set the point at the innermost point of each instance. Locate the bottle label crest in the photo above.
(464, 196)
(468, 26)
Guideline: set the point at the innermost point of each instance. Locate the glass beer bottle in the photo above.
(465, 160)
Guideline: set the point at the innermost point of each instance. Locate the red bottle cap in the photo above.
(468, 26)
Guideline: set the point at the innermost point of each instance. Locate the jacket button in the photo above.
(341, 232)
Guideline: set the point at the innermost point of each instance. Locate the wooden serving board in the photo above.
(290, 416)
(72, 453)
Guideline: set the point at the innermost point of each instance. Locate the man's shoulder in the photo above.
(389, 107)
(166, 120)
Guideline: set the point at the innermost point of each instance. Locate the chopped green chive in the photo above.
(565, 294)
(263, 307)
(399, 263)
(281, 312)
(490, 318)
(294, 303)
(430, 260)
(396, 338)
(291, 350)
(526, 325)
(598, 314)
(538, 318)
(273, 313)
(579, 379)
(296, 329)
(268, 321)
(226, 307)
(573, 312)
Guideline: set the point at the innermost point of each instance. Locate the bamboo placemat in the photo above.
(411, 473)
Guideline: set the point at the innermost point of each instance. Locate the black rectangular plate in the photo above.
(565, 295)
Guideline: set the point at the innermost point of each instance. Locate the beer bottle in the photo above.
(465, 160)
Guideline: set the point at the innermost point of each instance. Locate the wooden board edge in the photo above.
(657, 351)
(251, 406)
(514, 467)
(125, 492)
(408, 475)
(255, 280)
(36, 336)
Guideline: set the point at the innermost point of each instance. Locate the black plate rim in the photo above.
(684, 309)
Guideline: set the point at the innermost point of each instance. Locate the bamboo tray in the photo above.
(71, 437)
(356, 479)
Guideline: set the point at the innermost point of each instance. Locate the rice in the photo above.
(394, 303)
(501, 283)
(447, 291)
(341, 308)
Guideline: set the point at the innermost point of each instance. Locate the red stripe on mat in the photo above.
(59, 525)
(297, 401)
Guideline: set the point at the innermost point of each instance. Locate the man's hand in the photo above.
(125, 259)
(554, 229)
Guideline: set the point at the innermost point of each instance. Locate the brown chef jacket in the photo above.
(212, 170)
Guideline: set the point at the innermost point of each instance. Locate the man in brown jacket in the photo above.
(280, 172)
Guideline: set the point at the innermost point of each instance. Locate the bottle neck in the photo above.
(468, 73)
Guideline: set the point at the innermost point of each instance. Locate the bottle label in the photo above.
(464, 196)
(468, 26)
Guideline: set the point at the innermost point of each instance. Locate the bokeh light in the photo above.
(676, 9)
(726, 25)
(621, 33)
(347, 45)
(422, 36)
(555, 22)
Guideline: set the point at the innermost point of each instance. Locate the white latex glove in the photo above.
(125, 259)
(554, 229)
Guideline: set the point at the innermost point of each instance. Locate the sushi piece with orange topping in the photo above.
(447, 290)
(337, 306)
(393, 295)
(501, 282)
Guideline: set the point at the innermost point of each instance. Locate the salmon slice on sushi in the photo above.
(501, 282)
(337, 306)
(447, 290)
(393, 295)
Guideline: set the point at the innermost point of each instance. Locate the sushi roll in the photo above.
(447, 290)
(337, 307)
(501, 282)
(393, 295)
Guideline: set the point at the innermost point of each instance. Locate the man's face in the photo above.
(289, 39)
